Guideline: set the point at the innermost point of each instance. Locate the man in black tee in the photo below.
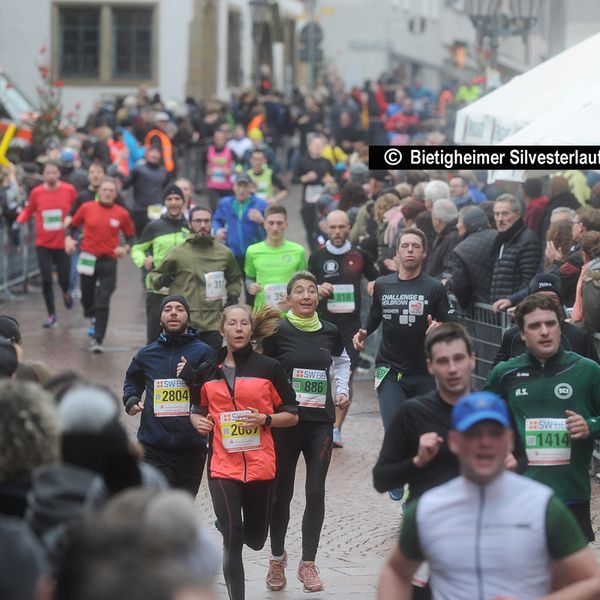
(339, 267)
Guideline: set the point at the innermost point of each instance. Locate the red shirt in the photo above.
(534, 214)
(101, 227)
(50, 207)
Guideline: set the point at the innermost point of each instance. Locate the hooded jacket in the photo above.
(189, 263)
(158, 361)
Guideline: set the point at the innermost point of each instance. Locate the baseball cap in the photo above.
(547, 282)
(479, 406)
(242, 178)
(67, 156)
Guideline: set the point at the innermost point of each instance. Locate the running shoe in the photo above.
(91, 330)
(397, 494)
(68, 299)
(50, 322)
(95, 346)
(308, 574)
(337, 438)
(276, 579)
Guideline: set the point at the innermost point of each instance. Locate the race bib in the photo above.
(215, 285)
(154, 211)
(380, 373)
(218, 176)
(86, 264)
(52, 219)
(275, 293)
(342, 299)
(313, 193)
(237, 436)
(547, 442)
(310, 386)
(171, 398)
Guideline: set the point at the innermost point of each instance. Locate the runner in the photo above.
(158, 237)
(409, 304)
(306, 347)
(103, 222)
(204, 272)
(241, 458)
(554, 396)
(270, 264)
(490, 533)
(339, 268)
(170, 442)
(268, 186)
(50, 203)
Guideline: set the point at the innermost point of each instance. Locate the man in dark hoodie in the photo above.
(170, 442)
(472, 260)
(158, 237)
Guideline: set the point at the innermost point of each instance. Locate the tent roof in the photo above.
(530, 95)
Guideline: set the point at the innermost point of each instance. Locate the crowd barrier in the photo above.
(18, 263)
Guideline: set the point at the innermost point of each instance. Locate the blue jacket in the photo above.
(243, 232)
(158, 360)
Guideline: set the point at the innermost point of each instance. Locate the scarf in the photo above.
(338, 251)
(304, 323)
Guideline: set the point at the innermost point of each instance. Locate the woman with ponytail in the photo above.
(306, 348)
(243, 395)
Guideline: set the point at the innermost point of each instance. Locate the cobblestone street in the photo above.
(360, 524)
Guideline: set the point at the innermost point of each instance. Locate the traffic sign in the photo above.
(310, 31)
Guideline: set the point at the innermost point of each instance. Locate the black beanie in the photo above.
(9, 328)
(8, 358)
(176, 298)
(547, 282)
(172, 190)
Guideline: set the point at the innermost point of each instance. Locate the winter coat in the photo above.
(518, 255)
(471, 266)
(439, 255)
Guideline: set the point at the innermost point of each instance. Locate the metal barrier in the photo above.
(19, 263)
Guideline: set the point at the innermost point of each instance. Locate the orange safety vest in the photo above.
(166, 147)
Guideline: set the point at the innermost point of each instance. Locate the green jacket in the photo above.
(190, 264)
(538, 396)
(157, 239)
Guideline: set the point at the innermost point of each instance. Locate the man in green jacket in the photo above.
(157, 238)
(554, 396)
(204, 272)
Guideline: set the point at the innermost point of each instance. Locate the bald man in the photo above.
(339, 268)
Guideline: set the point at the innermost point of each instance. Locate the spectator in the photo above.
(459, 192)
(472, 260)
(560, 195)
(444, 215)
(29, 430)
(535, 204)
(590, 250)
(518, 252)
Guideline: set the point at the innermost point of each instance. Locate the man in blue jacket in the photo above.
(238, 220)
(170, 442)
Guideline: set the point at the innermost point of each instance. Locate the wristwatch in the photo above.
(268, 419)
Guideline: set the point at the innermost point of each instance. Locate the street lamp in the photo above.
(259, 9)
(495, 18)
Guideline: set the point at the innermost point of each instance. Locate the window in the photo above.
(234, 32)
(106, 43)
(132, 43)
(80, 42)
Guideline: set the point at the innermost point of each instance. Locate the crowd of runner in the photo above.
(252, 343)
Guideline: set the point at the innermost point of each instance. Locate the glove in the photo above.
(131, 401)
(166, 280)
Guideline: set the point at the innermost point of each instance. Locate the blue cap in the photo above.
(479, 406)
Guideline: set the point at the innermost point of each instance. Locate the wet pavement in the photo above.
(360, 524)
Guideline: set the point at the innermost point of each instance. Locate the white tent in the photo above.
(574, 122)
(529, 96)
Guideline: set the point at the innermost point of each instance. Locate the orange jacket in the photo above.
(166, 147)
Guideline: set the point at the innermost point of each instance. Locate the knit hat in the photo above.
(8, 358)
(474, 219)
(172, 190)
(358, 172)
(176, 298)
(10, 329)
(547, 282)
